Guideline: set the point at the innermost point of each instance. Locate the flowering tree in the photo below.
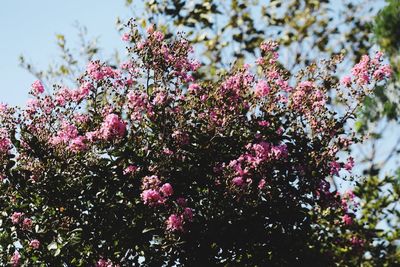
(144, 165)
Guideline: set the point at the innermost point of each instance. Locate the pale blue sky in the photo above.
(29, 28)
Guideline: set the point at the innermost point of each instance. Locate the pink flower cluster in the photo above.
(234, 86)
(106, 263)
(347, 219)
(5, 142)
(176, 221)
(139, 105)
(35, 244)
(66, 95)
(270, 48)
(307, 98)
(262, 89)
(370, 68)
(37, 88)
(130, 170)
(335, 166)
(174, 57)
(258, 154)
(357, 242)
(263, 152)
(15, 259)
(17, 218)
(98, 72)
(348, 201)
(112, 127)
(154, 194)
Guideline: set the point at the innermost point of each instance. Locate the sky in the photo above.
(29, 28)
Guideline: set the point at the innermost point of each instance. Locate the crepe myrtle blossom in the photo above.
(112, 127)
(5, 142)
(166, 190)
(348, 166)
(152, 197)
(369, 69)
(150, 160)
(15, 259)
(262, 89)
(37, 88)
(106, 263)
(346, 81)
(16, 217)
(347, 219)
(175, 223)
(126, 37)
(27, 224)
(130, 169)
(34, 243)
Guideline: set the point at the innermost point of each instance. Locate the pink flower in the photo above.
(152, 197)
(37, 87)
(92, 136)
(3, 107)
(263, 123)
(150, 29)
(16, 217)
(34, 244)
(357, 242)
(67, 133)
(279, 151)
(158, 35)
(112, 127)
(194, 87)
(238, 181)
(188, 214)
(195, 65)
(97, 71)
(27, 224)
(126, 37)
(77, 144)
(151, 182)
(181, 202)
(361, 70)
(261, 184)
(347, 220)
(269, 46)
(5, 142)
(168, 151)
(130, 169)
(382, 72)
(335, 168)
(94, 70)
(15, 259)
(260, 61)
(140, 45)
(348, 166)
(160, 98)
(262, 89)
(166, 189)
(105, 263)
(175, 223)
(346, 81)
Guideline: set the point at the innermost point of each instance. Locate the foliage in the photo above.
(144, 164)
